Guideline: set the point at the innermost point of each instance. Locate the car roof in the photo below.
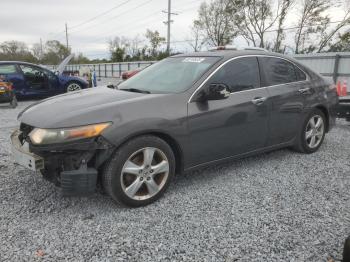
(18, 62)
(228, 54)
(21, 63)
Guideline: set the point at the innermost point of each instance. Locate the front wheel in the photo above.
(139, 172)
(74, 86)
(312, 133)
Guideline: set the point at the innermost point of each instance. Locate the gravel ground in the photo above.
(280, 206)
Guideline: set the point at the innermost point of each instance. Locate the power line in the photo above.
(129, 28)
(117, 16)
(101, 14)
(267, 31)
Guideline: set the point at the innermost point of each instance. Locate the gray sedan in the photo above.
(182, 113)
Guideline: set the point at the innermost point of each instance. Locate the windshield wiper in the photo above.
(136, 90)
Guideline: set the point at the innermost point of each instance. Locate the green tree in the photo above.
(80, 59)
(55, 52)
(216, 23)
(342, 44)
(15, 50)
(155, 40)
(117, 49)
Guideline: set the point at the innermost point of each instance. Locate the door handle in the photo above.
(259, 100)
(304, 90)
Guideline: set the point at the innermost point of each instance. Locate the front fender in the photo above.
(117, 135)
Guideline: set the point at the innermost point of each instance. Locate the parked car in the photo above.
(128, 74)
(7, 94)
(184, 112)
(30, 80)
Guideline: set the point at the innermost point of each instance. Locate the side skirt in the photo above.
(251, 153)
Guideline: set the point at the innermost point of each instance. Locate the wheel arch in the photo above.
(326, 113)
(170, 140)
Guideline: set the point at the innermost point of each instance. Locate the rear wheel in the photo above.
(73, 86)
(139, 172)
(312, 134)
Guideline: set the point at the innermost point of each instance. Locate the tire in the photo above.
(304, 144)
(14, 102)
(73, 86)
(150, 176)
(346, 251)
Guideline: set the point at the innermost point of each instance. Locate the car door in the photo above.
(285, 83)
(36, 81)
(54, 84)
(232, 126)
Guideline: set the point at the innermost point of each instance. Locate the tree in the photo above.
(215, 21)
(15, 50)
(255, 18)
(155, 40)
(117, 48)
(80, 59)
(327, 37)
(55, 52)
(285, 6)
(312, 13)
(314, 32)
(37, 51)
(342, 44)
(198, 39)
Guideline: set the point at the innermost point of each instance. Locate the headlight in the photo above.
(50, 136)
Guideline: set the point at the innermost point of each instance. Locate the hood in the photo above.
(60, 67)
(66, 78)
(89, 106)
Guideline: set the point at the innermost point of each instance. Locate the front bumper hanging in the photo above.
(73, 167)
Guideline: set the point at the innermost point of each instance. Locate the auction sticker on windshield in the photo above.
(193, 60)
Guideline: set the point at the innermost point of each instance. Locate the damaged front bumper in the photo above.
(23, 156)
(72, 166)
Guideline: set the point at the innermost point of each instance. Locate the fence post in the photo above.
(120, 69)
(336, 67)
(105, 70)
(128, 66)
(112, 65)
(99, 70)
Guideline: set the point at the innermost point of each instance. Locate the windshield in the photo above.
(171, 75)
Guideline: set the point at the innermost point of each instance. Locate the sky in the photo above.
(91, 23)
(30, 20)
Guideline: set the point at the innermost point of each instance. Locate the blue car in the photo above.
(34, 81)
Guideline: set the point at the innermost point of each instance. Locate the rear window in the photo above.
(7, 69)
(277, 71)
(300, 74)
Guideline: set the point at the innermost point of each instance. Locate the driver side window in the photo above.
(35, 77)
(238, 75)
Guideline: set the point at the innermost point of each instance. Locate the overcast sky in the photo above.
(30, 20)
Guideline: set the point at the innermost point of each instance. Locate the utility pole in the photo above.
(41, 49)
(66, 35)
(168, 24)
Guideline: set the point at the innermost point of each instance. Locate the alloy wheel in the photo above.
(314, 131)
(145, 173)
(73, 87)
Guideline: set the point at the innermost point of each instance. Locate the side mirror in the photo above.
(214, 91)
